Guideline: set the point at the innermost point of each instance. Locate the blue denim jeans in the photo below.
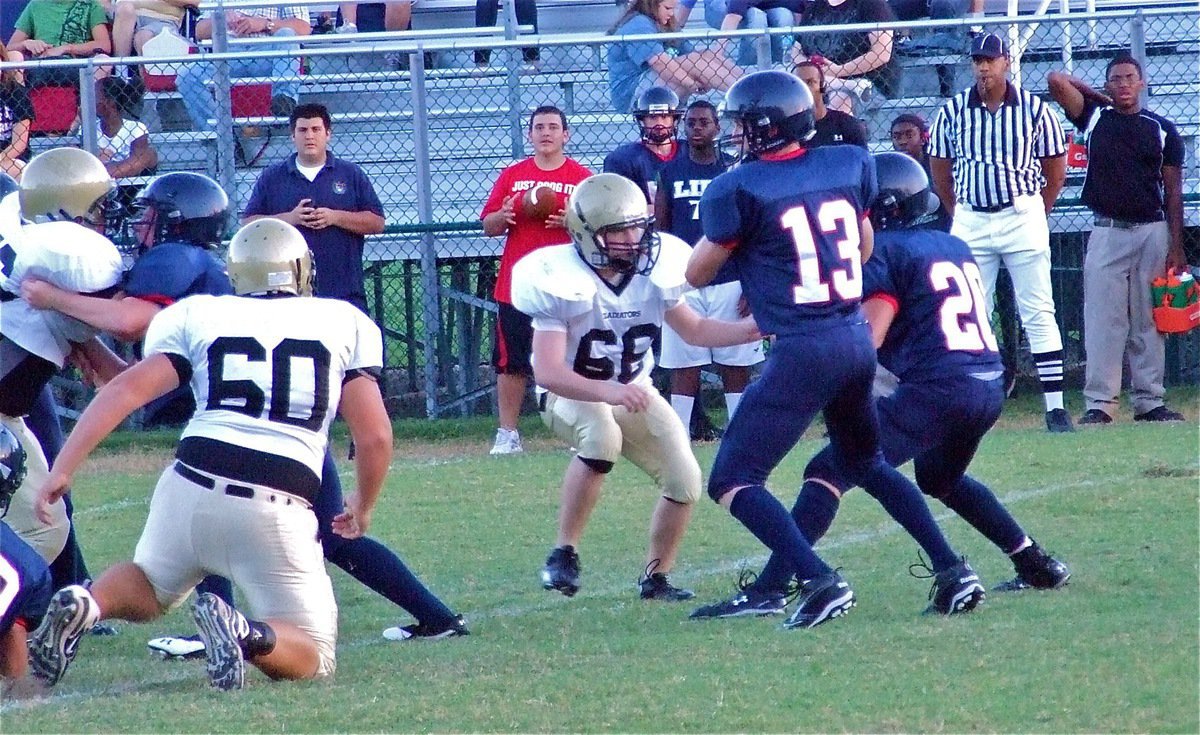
(199, 101)
(716, 10)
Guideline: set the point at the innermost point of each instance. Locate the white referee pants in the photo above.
(1018, 237)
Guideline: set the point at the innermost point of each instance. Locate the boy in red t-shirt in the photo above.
(504, 215)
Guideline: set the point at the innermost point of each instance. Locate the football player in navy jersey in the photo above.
(25, 587)
(657, 113)
(681, 182)
(923, 299)
(795, 223)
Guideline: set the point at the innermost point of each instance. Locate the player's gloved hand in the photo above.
(56, 486)
(634, 398)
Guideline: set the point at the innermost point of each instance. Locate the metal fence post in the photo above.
(222, 90)
(87, 107)
(430, 280)
(1137, 47)
(513, 81)
(762, 49)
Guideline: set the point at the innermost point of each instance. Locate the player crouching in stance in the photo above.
(268, 371)
(923, 297)
(596, 306)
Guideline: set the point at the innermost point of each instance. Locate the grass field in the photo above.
(1116, 651)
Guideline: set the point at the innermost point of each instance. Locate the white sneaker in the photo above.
(346, 28)
(508, 441)
(181, 647)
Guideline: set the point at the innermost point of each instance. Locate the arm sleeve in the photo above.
(368, 347)
(940, 143)
(368, 200)
(719, 214)
(640, 53)
(877, 279)
(1173, 148)
(25, 22)
(1049, 138)
(1085, 117)
(96, 16)
(870, 181)
(257, 204)
(167, 333)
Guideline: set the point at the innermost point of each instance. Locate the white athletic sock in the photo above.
(731, 403)
(683, 408)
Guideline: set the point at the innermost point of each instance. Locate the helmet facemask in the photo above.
(628, 248)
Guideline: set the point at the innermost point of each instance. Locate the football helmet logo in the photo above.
(269, 255)
(183, 207)
(905, 199)
(658, 101)
(12, 468)
(769, 109)
(64, 184)
(610, 225)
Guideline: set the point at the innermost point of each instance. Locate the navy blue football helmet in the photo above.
(12, 468)
(188, 207)
(658, 101)
(773, 108)
(905, 200)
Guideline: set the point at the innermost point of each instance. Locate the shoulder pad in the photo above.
(553, 280)
(668, 272)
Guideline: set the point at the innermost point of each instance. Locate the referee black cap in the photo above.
(988, 46)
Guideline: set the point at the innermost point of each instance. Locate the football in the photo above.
(540, 202)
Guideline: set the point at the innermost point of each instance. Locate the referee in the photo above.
(998, 159)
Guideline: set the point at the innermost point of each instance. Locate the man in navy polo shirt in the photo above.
(330, 200)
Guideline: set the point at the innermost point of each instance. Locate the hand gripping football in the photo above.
(540, 202)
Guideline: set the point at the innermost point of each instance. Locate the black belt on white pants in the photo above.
(238, 491)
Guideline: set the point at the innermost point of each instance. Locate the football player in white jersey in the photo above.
(596, 306)
(60, 189)
(269, 371)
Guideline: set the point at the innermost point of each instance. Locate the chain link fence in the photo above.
(433, 119)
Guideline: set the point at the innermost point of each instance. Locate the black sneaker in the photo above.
(1094, 416)
(656, 586)
(1058, 421)
(1162, 413)
(955, 590)
(749, 600)
(428, 632)
(821, 599)
(222, 629)
(1036, 569)
(562, 571)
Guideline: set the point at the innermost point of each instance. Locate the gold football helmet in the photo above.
(269, 255)
(64, 184)
(604, 204)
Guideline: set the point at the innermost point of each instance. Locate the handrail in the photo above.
(575, 39)
(346, 38)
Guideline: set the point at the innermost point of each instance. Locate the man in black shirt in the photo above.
(853, 62)
(834, 127)
(1134, 187)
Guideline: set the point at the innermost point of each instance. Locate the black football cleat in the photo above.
(658, 587)
(955, 590)
(428, 631)
(562, 571)
(1058, 421)
(821, 598)
(1036, 570)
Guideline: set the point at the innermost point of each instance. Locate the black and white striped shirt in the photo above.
(996, 154)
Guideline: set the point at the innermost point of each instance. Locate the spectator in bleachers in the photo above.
(137, 21)
(329, 199)
(756, 14)
(56, 29)
(285, 22)
(16, 117)
(10, 10)
(834, 127)
(950, 39)
(1134, 187)
(486, 13)
(854, 63)
(636, 67)
(397, 16)
(123, 145)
